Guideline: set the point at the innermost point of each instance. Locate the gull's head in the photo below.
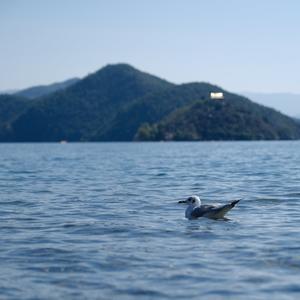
(192, 201)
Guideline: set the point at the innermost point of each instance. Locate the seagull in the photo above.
(196, 210)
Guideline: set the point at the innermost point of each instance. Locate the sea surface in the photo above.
(101, 221)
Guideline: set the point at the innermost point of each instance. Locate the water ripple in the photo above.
(101, 221)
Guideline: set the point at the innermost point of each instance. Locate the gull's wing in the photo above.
(212, 211)
(202, 210)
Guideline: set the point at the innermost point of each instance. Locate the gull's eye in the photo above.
(193, 200)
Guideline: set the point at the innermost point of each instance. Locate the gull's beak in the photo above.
(182, 201)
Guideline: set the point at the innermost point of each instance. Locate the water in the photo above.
(101, 221)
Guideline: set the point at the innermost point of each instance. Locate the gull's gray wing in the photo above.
(212, 211)
(202, 210)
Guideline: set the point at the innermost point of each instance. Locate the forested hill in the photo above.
(121, 103)
(224, 120)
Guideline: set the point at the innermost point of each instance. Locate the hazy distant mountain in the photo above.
(286, 103)
(121, 103)
(8, 92)
(43, 90)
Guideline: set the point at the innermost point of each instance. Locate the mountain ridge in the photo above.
(121, 103)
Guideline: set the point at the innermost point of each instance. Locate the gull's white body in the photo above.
(191, 207)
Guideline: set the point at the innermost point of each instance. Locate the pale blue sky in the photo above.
(241, 45)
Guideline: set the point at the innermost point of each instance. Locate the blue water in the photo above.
(101, 221)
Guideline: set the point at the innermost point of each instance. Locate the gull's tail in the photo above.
(220, 211)
(234, 202)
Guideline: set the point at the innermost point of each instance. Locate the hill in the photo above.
(121, 103)
(154, 107)
(11, 107)
(225, 120)
(43, 90)
(86, 110)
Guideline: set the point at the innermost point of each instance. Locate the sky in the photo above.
(241, 45)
